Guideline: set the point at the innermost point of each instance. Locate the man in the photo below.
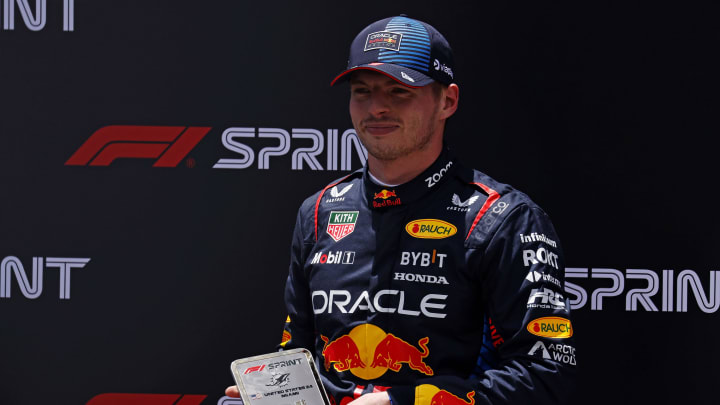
(416, 280)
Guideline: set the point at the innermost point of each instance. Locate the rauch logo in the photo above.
(551, 327)
(430, 229)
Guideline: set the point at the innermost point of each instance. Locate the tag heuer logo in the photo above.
(341, 224)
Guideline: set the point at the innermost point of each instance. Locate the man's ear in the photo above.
(449, 102)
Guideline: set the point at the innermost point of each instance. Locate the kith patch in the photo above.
(341, 224)
(383, 40)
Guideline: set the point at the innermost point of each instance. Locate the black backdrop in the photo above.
(604, 113)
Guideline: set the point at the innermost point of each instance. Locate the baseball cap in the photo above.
(407, 50)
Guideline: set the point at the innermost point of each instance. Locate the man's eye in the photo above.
(400, 90)
(360, 90)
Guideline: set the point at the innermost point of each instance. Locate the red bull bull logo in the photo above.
(427, 394)
(343, 352)
(368, 352)
(384, 194)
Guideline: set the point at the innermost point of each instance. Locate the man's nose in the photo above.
(378, 104)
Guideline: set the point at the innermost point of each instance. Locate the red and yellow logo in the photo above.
(430, 229)
(285, 338)
(551, 327)
(427, 394)
(368, 352)
(384, 194)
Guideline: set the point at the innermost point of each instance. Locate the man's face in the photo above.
(392, 120)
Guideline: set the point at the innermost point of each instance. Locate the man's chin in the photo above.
(385, 154)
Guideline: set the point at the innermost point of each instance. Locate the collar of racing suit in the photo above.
(384, 197)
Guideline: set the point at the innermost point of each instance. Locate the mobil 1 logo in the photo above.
(337, 257)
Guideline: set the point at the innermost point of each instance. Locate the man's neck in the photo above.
(405, 168)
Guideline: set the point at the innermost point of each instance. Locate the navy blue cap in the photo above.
(407, 50)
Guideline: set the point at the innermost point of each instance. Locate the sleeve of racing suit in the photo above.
(523, 295)
(298, 330)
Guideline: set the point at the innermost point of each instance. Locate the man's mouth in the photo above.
(380, 128)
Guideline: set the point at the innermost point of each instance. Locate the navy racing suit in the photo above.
(447, 289)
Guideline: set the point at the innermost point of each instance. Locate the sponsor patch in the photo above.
(286, 336)
(384, 194)
(420, 278)
(430, 229)
(551, 327)
(462, 206)
(335, 192)
(427, 394)
(386, 199)
(542, 255)
(337, 257)
(336, 195)
(558, 352)
(422, 259)
(535, 237)
(536, 276)
(435, 177)
(383, 40)
(341, 224)
(491, 216)
(546, 298)
(368, 352)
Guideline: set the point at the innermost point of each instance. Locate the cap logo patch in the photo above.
(383, 40)
(406, 77)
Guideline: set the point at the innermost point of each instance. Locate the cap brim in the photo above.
(400, 74)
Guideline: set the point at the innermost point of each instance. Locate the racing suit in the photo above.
(446, 289)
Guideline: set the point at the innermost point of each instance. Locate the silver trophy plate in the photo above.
(281, 378)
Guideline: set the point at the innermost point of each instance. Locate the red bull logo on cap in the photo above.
(368, 352)
(428, 394)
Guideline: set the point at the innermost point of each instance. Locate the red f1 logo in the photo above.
(256, 368)
(168, 144)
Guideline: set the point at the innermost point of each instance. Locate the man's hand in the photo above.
(375, 398)
(232, 391)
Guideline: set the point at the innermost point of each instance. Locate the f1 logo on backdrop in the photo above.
(169, 145)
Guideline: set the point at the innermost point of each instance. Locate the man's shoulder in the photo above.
(492, 187)
(347, 187)
(494, 203)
